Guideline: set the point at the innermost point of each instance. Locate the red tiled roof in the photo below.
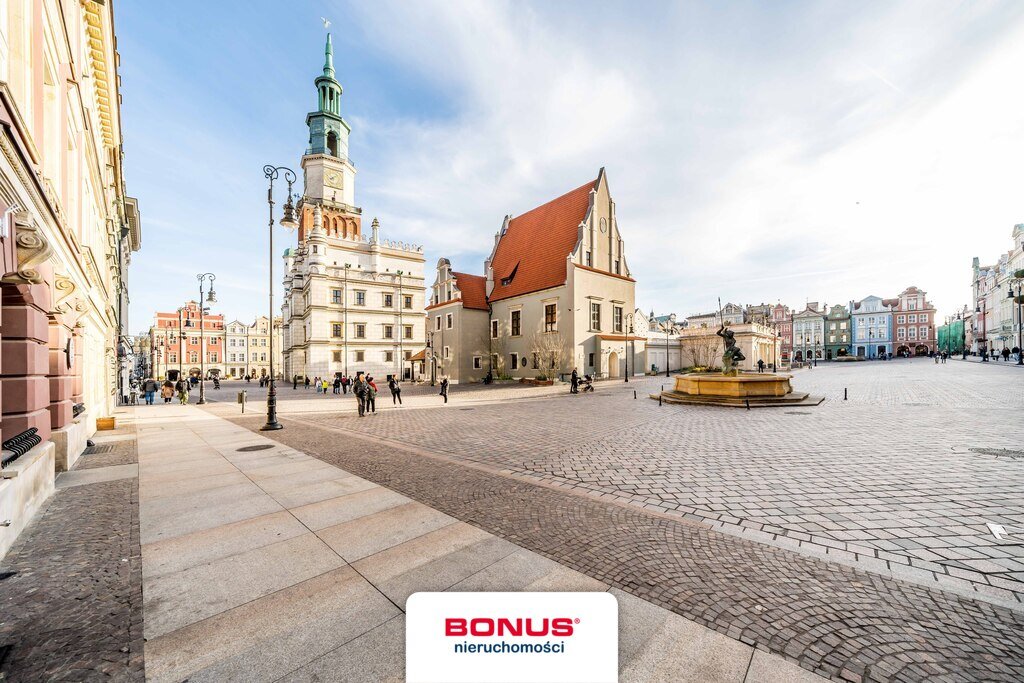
(534, 248)
(473, 289)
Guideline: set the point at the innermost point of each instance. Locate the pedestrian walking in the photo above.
(307, 382)
(760, 365)
(336, 385)
(574, 382)
(359, 388)
(396, 390)
(167, 391)
(149, 388)
(1006, 354)
(345, 381)
(371, 395)
(326, 386)
(182, 388)
(444, 388)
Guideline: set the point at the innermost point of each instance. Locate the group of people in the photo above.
(575, 383)
(167, 390)
(363, 387)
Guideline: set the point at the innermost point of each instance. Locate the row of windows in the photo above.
(911, 333)
(359, 331)
(912, 318)
(241, 342)
(359, 295)
(192, 357)
(210, 341)
(240, 357)
(359, 356)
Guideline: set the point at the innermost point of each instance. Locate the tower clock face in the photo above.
(333, 179)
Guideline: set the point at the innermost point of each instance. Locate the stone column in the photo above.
(77, 383)
(26, 395)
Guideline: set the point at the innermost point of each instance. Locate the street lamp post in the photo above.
(401, 330)
(629, 331)
(212, 298)
(433, 361)
(1018, 279)
(271, 173)
(984, 336)
(344, 319)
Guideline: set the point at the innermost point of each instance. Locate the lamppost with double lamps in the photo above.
(1018, 298)
(211, 298)
(272, 173)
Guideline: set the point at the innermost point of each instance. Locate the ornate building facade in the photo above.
(67, 232)
(914, 330)
(247, 348)
(184, 343)
(556, 294)
(353, 301)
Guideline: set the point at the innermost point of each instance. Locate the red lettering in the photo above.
(506, 627)
(561, 627)
(455, 627)
(481, 627)
(533, 631)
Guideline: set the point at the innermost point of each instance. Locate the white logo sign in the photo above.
(506, 637)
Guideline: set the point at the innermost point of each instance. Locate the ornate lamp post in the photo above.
(433, 361)
(984, 336)
(211, 298)
(401, 329)
(271, 173)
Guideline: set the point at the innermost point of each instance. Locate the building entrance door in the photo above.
(613, 365)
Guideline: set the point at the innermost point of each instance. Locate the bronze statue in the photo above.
(732, 355)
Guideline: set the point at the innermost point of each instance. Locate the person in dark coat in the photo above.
(345, 381)
(760, 365)
(149, 388)
(444, 388)
(371, 395)
(574, 382)
(396, 391)
(359, 388)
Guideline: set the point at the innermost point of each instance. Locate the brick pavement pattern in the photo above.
(884, 480)
(71, 602)
(831, 619)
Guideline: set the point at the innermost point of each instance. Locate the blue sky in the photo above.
(756, 151)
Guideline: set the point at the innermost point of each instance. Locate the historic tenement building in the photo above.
(184, 342)
(67, 232)
(782, 322)
(914, 328)
(353, 301)
(996, 321)
(556, 293)
(871, 319)
(809, 333)
(247, 348)
(838, 335)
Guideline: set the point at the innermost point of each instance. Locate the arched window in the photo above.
(332, 143)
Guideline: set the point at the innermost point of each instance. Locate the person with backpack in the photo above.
(396, 390)
(444, 388)
(345, 381)
(182, 388)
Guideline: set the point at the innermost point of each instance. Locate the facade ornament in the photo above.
(32, 250)
(64, 287)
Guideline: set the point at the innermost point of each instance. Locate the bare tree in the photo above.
(549, 350)
(701, 347)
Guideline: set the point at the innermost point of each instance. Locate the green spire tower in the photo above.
(328, 132)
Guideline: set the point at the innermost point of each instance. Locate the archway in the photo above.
(332, 144)
(921, 350)
(903, 351)
(613, 365)
(798, 356)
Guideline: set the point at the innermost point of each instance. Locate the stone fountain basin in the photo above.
(738, 386)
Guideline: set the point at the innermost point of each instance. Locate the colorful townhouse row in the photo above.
(873, 327)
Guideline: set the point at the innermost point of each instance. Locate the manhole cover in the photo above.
(260, 447)
(467, 408)
(797, 412)
(999, 452)
(94, 450)
(917, 405)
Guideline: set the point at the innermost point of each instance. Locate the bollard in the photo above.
(659, 399)
(634, 394)
(844, 393)
(748, 403)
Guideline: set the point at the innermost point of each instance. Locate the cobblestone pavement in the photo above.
(831, 619)
(71, 602)
(886, 480)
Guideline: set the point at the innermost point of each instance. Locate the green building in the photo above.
(838, 333)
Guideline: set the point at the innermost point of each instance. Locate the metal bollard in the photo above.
(659, 399)
(844, 393)
(634, 394)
